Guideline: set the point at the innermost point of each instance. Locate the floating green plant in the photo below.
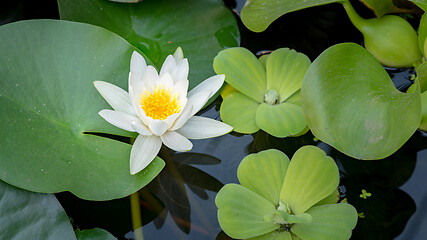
(267, 96)
(351, 103)
(391, 39)
(282, 199)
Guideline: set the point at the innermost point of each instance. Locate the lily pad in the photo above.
(51, 104)
(257, 15)
(158, 27)
(350, 102)
(29, 215)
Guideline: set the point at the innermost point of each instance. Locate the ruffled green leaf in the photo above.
(280, 120)
(242, 71)
(274, 236)
(331, 199)
(51, 104)
(350, 102)
(263, 173)
(285, 71)
(243, 213)
(257, 15)
(311, 177)
(239, 111)
(29, 215)
(335, 221)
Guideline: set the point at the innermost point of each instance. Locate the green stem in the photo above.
(136, 216)
(357, 21)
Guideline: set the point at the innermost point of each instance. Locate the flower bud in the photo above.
(391, 39)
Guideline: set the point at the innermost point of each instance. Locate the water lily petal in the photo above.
(198, 100)
(239, 111)
(213, 84)
(137, 64)
(178, 54)
(150, 77)
(181, 70)
(243, 214)
(311, 177)
(158, 127)
(118, 98)
(182, 119)
(181, 87)
(242, 71)
(264, 173)
(334, 221)
(280, 120)
(202, 127)
(136, 86)
(166, 80)
(144, 150)
(119, 119)
(168, 65)
(176, 141)
(140, 128)
(285, 71)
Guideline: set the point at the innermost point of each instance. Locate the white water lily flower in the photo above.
(159, 108)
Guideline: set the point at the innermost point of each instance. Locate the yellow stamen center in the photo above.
(160, 104)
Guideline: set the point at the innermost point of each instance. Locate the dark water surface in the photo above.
(179, 203)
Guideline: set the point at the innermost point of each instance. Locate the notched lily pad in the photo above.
(49, 102)
(257, 15)
(350, 102)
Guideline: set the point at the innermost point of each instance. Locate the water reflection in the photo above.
(167, 193)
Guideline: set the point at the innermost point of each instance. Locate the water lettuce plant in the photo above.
(351, 103)
(158, 108)
(390, 38)
(282, 199)
(267, 96)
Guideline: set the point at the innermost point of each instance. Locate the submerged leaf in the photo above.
(29, 215)
(350, 102)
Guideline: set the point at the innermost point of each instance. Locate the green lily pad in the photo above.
(257, 15)
(266, 168)
(158, 27)
(350, 102)
(50, 103)
(335, 221)
(94, 234)
(243, 213)
(311, 177)
(29, 215)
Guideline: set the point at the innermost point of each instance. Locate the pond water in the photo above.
(180, 202)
